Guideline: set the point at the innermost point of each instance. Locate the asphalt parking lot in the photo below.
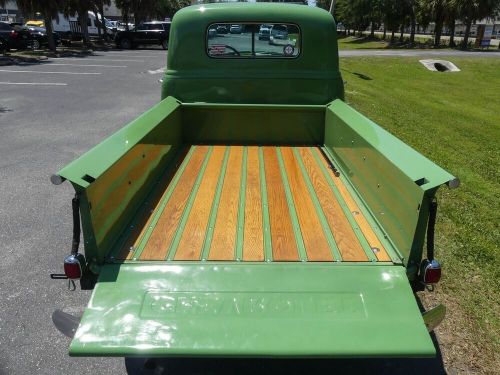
(50, 114)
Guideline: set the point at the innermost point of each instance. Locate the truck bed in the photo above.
(252, 203)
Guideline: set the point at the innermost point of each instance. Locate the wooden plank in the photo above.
(343, 233)
(282, 236)
(363, 224)
(195, 230)
(149, 211)
(164, 231)
(253, 238)
(224, 239)
(315, 241)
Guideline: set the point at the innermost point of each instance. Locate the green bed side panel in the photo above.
(115, 176)
(396, 182)
(229, 309)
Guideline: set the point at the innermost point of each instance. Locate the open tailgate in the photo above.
(228, 309)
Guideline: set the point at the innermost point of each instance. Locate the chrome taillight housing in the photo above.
(430, 271)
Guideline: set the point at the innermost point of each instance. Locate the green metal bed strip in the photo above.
(390, 247)
(187, 209)
(359, 234)
(268, 249)
(215, 206)
(163, 203)
(241, 207)
(291, 207)
(117, 248)
(319, 211)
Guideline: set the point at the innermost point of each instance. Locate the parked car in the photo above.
(264, 32)
(34, 23)
(122, 26)
(39, 37)
(222, 29)
(15, 35)
(147, 33)
(212, 33)
(278, 32)
(235, 29)
(3, 45)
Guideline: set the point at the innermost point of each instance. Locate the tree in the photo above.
(167, 8)
(99, 8)
(124, 6)
(471, 10)
(49, 10)
(82, 7)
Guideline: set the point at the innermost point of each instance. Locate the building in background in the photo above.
(10, 13)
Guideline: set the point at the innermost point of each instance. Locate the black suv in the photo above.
(154, 32)
(14, 36)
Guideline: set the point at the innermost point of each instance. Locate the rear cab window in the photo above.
(253, 40)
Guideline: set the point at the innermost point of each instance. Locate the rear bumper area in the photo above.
(252, 309)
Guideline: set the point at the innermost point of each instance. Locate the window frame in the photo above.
(254, 57)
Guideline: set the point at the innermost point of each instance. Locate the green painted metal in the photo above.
(215, 206)
(237, 309)
(163, 203)
(357, 230)
(241, 206)
(324, 223)
(100, 158)
(291, 208)
(117, 175)
(149, 205)
(253, 124)
(268, 249)
(389, 246)
(185, 214)
(192, 76)
(394, 181)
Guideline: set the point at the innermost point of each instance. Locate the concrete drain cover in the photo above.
(439, 65)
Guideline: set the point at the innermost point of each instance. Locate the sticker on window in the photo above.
(255, 40)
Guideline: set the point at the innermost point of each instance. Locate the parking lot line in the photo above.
(41, 72)
(103, 59)
(94, 65)
(35, 84)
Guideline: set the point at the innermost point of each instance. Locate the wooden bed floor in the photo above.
(252, 203)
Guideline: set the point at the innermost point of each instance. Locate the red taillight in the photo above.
(14, 34)
(73, 266)
(430, 271)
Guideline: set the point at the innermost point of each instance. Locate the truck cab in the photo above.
(252, 212)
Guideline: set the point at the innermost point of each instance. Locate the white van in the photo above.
(69, 27)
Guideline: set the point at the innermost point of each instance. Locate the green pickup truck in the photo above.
(252, 212)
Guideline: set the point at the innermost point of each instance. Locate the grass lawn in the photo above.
(453, 119)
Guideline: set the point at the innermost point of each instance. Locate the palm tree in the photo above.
(472, 10)
(49, 10)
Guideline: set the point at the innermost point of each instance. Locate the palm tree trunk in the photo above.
(392, 36)
(413, 25)
(439, 24)
(83, 17)
(50, 32)
(468, 25)
(100, 6)
(99, 25)
(402, 33)
(452, 32)
(372, 31)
